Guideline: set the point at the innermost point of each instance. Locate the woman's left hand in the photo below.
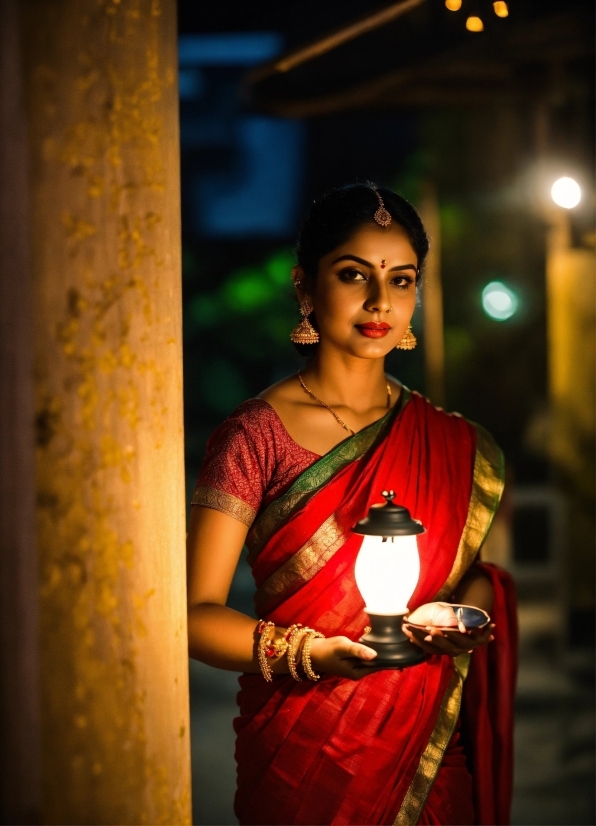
(435, 640)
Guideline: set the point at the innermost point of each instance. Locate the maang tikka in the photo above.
(382, 216)
(305, 333)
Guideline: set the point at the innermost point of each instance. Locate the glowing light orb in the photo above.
(474, 24)
(453, 5)
(500, 8)
(498, 301)
(566, 193)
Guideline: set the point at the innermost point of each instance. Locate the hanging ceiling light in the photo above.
(474, 24)
(501, 9)
(474, 21)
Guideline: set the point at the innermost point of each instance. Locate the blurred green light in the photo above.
(498, 301)
(247, 290)
(279, 267)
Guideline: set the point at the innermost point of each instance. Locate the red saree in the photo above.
(383, 749)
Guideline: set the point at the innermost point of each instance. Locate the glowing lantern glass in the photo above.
(387, 571)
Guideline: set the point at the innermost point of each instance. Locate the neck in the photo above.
(347, 381)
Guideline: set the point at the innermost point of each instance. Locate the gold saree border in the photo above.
(315, 477)
(432, 756)
(303, 565)
(224, 502)
(487, 486)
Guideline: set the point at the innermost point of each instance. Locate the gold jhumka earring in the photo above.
(408, 340)
(305, 333)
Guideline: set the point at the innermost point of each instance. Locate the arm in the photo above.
(222, 637)
(217, 635)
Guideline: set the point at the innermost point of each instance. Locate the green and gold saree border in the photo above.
(316, 476)
(487, 486)
(432, 756)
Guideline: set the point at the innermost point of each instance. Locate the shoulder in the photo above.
(254, 421)
(252, 412)
(284, 392)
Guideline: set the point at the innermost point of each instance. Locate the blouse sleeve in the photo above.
(233, 477)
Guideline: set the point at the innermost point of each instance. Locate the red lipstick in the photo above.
(374, 329)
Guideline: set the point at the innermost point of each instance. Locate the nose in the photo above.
(378, 299)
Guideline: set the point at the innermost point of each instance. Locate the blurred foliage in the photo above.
(236, 338)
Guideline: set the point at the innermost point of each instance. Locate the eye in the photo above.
(352, 275)
(402, 282)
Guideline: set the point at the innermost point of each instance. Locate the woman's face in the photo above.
(365, 292)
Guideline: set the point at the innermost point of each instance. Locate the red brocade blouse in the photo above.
(251, 460)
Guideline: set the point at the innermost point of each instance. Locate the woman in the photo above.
(290, 473)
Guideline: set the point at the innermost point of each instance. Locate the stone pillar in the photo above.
(19, 696)
(105, 219)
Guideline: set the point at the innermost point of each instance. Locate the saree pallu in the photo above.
(368, 752)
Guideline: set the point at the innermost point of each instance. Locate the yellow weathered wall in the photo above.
(108, 372)
(572, 378)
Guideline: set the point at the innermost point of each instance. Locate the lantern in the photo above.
(387, 571)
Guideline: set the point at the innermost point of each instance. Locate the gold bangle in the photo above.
(293, 642)
(262, 649)
(305, 657)
(277, 648)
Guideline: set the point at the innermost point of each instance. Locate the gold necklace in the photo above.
(332, 411)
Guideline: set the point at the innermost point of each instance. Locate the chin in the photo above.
(372, 349)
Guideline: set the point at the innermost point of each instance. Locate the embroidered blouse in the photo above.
(251, 460)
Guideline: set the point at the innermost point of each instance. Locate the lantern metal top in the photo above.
(388, 520)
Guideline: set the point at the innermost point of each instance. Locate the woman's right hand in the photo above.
(341, 657)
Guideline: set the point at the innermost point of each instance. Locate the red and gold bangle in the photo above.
(310, 635)
(264, 642)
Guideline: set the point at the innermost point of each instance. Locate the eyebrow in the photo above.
(371, 266)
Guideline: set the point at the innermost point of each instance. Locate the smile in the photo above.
(373, 329)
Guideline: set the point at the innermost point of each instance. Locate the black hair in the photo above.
(340, 213)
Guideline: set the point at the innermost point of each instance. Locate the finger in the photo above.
(462, 640)
(481, 640)
(430, 648)
(420, 644)
(485, 633)
(417, 633)
(450, 636)
(445, 646)
(356, 649)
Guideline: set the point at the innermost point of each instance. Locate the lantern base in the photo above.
(394, 649)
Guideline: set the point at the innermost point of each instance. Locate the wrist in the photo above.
(317, 652)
